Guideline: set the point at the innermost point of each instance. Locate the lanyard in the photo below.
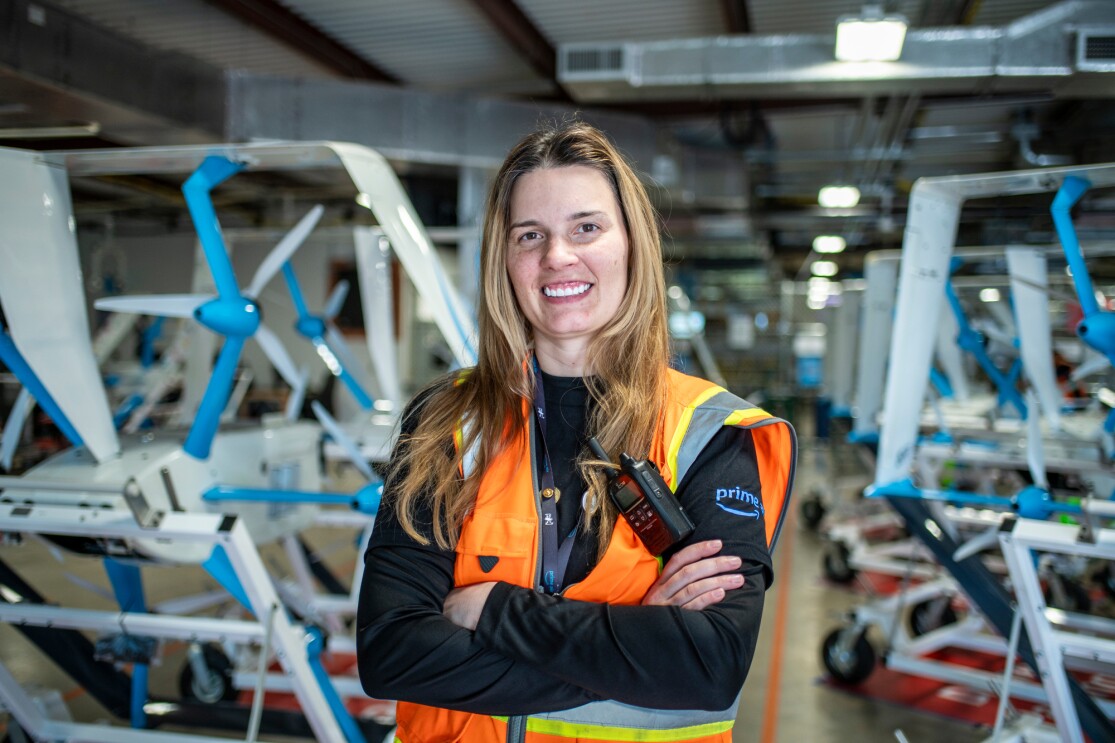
(555, 558)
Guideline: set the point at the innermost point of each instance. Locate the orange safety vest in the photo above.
(504, 524)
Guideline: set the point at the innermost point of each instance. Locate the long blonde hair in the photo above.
(628, 356)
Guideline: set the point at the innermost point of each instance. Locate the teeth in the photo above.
(567, 291)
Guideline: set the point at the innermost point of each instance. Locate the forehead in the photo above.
(561, 192)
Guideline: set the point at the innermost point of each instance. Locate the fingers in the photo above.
(690, 555)
(696, 577)
(707, 592)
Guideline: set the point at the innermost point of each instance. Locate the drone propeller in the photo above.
(330, 344)
(232, 313)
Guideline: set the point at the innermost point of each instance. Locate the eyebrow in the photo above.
(572, 217)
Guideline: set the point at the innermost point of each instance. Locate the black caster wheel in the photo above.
(850, 666)
(836, 565)
(931, 614)
(218, 687)
(812, 511)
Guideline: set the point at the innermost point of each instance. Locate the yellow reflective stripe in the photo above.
(743, 417)
(577, 731)
(679, 432)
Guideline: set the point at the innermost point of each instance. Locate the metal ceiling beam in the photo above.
(736, 18)
(279, 22)
(523, 36)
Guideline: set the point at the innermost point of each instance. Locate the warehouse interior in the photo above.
(944, 566)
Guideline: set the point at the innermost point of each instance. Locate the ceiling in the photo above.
(737, 148)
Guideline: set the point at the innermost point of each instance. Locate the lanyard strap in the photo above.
(555, 558)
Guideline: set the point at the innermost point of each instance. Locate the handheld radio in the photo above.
(645, 501)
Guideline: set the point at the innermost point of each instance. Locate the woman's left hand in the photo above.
(696, 577)
(463, 605)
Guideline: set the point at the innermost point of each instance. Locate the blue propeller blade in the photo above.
(295, 291)
(208, 418)
(212, 172)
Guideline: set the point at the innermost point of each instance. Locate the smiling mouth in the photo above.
(570, 290)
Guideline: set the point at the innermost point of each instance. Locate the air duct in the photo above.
(1068, 48)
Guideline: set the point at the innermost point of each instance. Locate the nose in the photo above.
(558, 253)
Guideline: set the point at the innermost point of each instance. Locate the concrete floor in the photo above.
(782, 700)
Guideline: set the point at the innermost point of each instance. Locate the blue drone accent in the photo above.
(1097, 329)
(127, 586)
(972, 340)
(366, 500)
(14, 360)
(232, 315)
(313, 327)
(314, 646)
(129, 406)
(147, 349)
(940, 382)
(1031, 502)
(220, 567)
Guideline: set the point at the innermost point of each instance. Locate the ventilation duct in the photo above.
(1034, 52)
(1095, 49)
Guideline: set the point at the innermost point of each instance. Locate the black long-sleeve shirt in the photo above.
(534, 653)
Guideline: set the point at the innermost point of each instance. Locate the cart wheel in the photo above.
(219, 687)
(851, 666)
(812, 510)
(931, 614)
(835, 563)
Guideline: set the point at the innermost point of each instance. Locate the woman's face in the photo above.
(566, 254)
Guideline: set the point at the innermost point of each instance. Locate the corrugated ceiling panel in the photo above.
(634, 20)
(197, 29)
(433, 44)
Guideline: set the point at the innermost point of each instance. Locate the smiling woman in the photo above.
(567, 259)
(503, 597)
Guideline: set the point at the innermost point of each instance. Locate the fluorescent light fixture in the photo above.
(838, 197)
(824, 268)
(829, 244)
(990, 294)
(870, 37)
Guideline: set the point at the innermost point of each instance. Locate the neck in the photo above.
(562, 360)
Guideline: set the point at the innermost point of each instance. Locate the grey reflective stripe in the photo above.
(612, 714)
(708, 418)
(470, 455)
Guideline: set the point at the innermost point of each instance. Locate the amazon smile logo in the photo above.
(739, 502)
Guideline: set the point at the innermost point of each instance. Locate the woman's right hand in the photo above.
(695, 577)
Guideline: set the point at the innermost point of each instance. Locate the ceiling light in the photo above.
(824, 268)
(990, 294)
(838, 197)
(870, 37)
(829, 244)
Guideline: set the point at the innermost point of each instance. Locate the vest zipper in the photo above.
(516, 729)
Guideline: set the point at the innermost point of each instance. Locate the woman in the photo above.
(503, 599)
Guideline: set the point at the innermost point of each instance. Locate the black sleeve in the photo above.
(408, 650)
(661, 657)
